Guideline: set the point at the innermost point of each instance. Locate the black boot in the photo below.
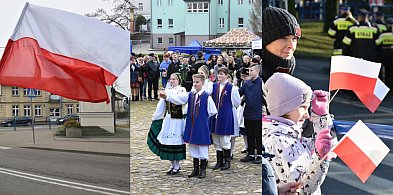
(220, 158)
(195, 171)
(202, 173)
(133, 98)
(136, 98)
(227, 164)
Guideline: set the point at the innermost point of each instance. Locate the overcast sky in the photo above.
(10, 11)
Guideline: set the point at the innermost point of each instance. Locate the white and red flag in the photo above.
(64, 53)
(361, 150)
(361, 77)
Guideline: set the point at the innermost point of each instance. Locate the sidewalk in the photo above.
(45, 140)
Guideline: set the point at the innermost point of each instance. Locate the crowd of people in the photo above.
(147, 71)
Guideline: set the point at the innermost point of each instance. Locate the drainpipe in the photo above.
(229, 16)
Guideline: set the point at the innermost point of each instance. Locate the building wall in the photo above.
(7, 101)
(196, 25)
(237, 11)
(146, 8)
(165, 40)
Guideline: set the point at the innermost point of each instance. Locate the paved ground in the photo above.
(44, 139)
(148, 171)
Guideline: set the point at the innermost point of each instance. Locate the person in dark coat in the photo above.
(134, 75)
(153, 74)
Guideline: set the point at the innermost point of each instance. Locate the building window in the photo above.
(159, 40)
(15, 91)
(77, 108)
(240, 2)
(170, 3)
(159, 23)
(250, 1)
(170, 40)
(197, 7)
(159, 3)
(240, 22)
(31, 92)
(37, 110)
(140, 6)
(219, 2)
(15, 110)
(54, 112)
(27, 110)
(70, 109)
(221, 23)
(170, 23)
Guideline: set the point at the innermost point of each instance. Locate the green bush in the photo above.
(72, 123)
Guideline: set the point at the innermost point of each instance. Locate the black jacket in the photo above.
(152, 69)
(360, 42)
(173, 67)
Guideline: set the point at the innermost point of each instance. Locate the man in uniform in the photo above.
(339, 27)
(359, 40)
(380, 22)
(385, 44)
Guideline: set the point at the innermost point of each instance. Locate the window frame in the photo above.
(238, 23)
(158, 23)
(221, 25)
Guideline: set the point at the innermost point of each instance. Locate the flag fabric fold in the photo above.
(361, 150)
(360, 76)
(64, 53)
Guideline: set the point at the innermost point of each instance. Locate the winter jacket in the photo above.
(173, 67)
(151, 68)
(295, 158)
(360, 37)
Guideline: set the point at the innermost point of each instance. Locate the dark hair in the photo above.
(224, 70)
(200, 54)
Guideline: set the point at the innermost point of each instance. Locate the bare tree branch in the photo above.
(120, 17)
(256, 17)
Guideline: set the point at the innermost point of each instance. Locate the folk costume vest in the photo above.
(197, 126)
(222, 122)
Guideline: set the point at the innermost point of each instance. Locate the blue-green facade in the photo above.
(195, 19)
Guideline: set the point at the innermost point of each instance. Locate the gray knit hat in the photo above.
(277, 23)
(285, 93)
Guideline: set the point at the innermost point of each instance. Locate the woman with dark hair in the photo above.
(211, 62)
(192, 60)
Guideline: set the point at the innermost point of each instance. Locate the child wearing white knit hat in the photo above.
(295, 157)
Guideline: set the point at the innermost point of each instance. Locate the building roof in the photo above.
(235, 38)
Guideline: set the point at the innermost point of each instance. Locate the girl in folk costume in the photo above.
(226, 98)
(196, 133)
(170, 137)
(208, 85)
(296, 158)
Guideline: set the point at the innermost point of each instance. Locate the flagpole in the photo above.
(330, 151)
(334, 95)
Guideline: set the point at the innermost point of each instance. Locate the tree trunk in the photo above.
(331, 12)
(291, 7)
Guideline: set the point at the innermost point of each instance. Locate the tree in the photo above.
(256, 17)
(121, 14)
(140, 19)
(331, 12)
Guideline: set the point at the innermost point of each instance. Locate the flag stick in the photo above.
(330, 151)
(331, 99)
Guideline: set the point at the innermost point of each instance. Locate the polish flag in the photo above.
(361, 150)
(360, 76)
(64, 53)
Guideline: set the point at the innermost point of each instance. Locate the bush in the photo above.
(72, 123)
